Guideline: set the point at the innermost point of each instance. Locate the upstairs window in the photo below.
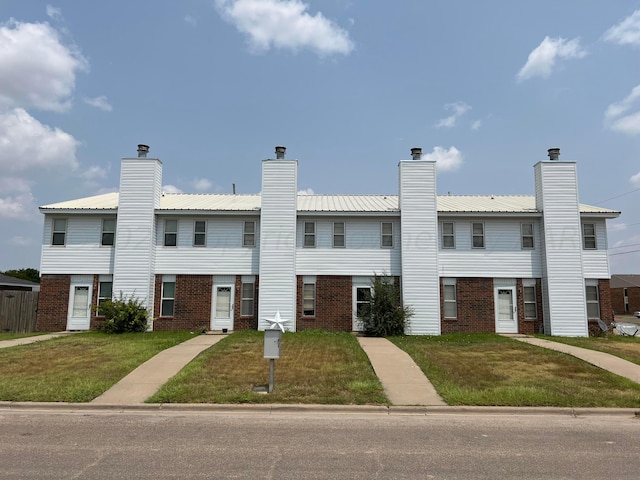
(108, 231)
(309, 234)
(338, 235)
(526, 229)
(386, 235)
(170, 233)
(589, 236)
(199, 233)
(249, 234)
(448, 235)
(58, 237)
(477, 234)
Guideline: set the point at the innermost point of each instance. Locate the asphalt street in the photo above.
(186, 445)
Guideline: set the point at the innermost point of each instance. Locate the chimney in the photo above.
(416, 153)
(554, 154)
(143, 150)
(280, 151)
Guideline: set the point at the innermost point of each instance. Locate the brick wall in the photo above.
(634, 299)
(241, 322)
(192, 306)
(333, 304)
(617, 300)
(53, 303)
(476, 311)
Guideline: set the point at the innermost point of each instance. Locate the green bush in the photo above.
(124, 315)
(384, 315)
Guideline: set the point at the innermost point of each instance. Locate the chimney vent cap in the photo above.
(143, 150)
(280, 151)
(554, 154)
(416, 153)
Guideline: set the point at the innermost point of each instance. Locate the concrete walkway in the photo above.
(145, 380)
(35, 338)
(402, 380)
(603, 360)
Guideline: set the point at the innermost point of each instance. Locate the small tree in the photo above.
(384, 315)
(123, 315)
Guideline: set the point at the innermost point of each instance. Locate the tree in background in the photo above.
(384, 315)
(30, 274)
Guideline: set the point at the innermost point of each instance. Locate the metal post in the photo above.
(272, 364)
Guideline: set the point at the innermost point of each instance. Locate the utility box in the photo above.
(272, 339)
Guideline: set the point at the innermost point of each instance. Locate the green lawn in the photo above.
(315, 367)
(623, 347)
(78, 367)
(488, 369)
(13, 336)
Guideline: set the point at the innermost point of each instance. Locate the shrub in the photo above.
(384, 315)
(124, 315)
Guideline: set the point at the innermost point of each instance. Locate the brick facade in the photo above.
(53, 303)
(333, 304)
(617, 300)
(192, 305)
(476, 311)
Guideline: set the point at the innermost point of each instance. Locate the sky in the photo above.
(348, 86)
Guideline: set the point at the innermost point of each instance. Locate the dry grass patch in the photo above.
(315, 367)
(623, 347)
(487, 369)
(13, 336)
(79, 367)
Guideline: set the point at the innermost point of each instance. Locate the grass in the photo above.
(487, 369)
(78, 367)
(316, 367)
(623, 347)
(13, 336)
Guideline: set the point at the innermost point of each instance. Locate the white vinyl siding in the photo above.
(338, 234)
(448, 237)
(59, 232)
(108, 231)
(200, 233)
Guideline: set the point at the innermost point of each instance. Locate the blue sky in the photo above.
(348, 86)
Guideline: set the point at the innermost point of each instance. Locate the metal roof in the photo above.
(453, 204)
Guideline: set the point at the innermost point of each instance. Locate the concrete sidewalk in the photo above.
(35, 338)
(603, 360)
(402, 380)
(145, 380)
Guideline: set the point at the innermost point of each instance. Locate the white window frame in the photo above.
(526, 238)
(338, 235)
(199, 235)
(108, 231)
(388, 235)
(249, 234)
(534, 302)
(444, 235)
(165, 298)
(475, 235)
(308, 288)
(356, 302)
(170, 233)
(449, 285)
(592, 303)
(60, 232)
(101, 294)
(247, 302)
(309, 234)
(590, 236)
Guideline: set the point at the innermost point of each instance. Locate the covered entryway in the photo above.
(222, 311)
(79, 313)
(505, 306)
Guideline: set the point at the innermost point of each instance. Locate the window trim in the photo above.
(593, 236)
(592, 302)
(107, 232)
(451, 235)
(101, 296)
(310, 235)
(55, 232)
(196, 233)
(313, 299)
(524, 236)
(164, 298)
(388, 235)
(355, 298)
(343, 235)
(533, 302)
(167, 233)
(244, 300)
(481, 235)
(449, 283)
(248, 235)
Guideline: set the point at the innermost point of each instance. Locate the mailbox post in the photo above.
(272, 340)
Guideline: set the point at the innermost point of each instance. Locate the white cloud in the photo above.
(618, 118)
(99, 102)
(447, 160)
(54, 13)
(190, 20)
(17, 207)
(36, 69)
(635, 180)
(285, 24)
(457, 109)
(543, 58)
(202, 184)
(171, 189)
(306, 191)
(626, 32)
(20, 241)
(27, 144)
(476, 124)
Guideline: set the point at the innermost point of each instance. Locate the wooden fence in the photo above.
(18, 311)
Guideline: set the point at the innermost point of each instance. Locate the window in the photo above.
(363, 297)
(477, 235)
(309, 234)
(249, 234)
(338, 235)
(589, 236)
(168, 298)
(170, 233)
(448, 236)
(530, 304)
(386, 234)
(108, 231)
(105, 292)
(526, 229)
(593, 305)
(199, 233)
(309, 299)
(59, 231)
(450, 298)
(247, 300)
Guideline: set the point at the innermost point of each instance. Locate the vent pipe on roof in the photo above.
(280, 151)
(143, 150)
(554, 154)
(416, 153)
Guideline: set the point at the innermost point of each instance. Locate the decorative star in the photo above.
(276, 322)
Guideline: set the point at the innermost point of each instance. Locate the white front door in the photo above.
(361, 296)
(506, 310)
(79, 315)
(222, 313)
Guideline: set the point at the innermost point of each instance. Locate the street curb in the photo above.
(283, 409)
